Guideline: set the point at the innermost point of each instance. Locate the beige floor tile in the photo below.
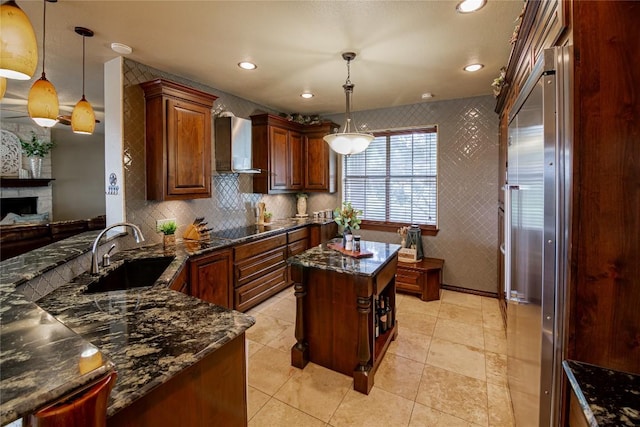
(269, 369)
(454, 394)
(423, 416)
(460, 313)
(411, 345)
(462, 299)
(379, 408)
(266, 328)
(285, 340)
(284, 309)
(258, 308)
(399, 375)
(492, 319)
(253, 347)
(458, 358)
(495, 341)
(500, 413)
(277, 414)
(315, 390)
(416, 322)
(496, 368)
(255, 400)
(489, 303)
(462, 333)
(414, 304)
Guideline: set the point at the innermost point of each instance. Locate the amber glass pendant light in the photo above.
(43, 103)
(19, 51)
(83, 119)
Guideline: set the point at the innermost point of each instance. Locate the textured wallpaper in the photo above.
(467, 178)
(467, 184)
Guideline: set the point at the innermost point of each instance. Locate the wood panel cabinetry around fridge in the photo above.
(292, 157)
(178, 141)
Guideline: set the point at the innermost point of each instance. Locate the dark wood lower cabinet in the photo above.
(211, 392)
(212, 278)
(320, 233)
(260, 271)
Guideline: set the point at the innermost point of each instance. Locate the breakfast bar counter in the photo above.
(336, 296)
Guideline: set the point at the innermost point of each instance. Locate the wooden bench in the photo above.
(422, 278)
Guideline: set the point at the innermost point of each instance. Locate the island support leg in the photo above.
(300, 350)
(362, 378)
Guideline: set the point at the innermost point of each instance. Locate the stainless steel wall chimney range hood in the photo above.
(233, 145)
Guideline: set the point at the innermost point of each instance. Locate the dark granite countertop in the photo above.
(146, 334)
(607, 397)
(324, 258)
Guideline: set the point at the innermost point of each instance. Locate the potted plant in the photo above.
(347, 217)
(35, 149)
(168, 230)
(267, 216)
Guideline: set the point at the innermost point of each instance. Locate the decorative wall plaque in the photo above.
(10, 154)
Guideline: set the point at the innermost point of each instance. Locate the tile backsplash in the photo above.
(467, 180)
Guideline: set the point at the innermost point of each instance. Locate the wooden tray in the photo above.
(338, 247)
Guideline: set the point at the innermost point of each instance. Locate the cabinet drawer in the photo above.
(298, 247)
(258, 290)
(251, 268)
(294, 236)
(409, 280)
(258, 247)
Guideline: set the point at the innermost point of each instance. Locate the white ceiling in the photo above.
(404, 48)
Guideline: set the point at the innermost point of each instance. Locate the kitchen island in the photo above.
(336, 296)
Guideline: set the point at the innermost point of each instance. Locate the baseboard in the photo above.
(469, 291)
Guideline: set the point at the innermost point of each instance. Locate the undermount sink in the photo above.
(133, 273)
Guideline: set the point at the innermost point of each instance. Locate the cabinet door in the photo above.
(211, 278)
(278, 158)
(296, 161)
(188, 149)
(320, 170)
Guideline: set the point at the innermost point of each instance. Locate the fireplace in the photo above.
(18, 205)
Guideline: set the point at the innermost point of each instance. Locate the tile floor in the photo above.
(446, 368)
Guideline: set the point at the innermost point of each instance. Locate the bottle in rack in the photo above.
(389, 313)
(383, 316)
(377, 317)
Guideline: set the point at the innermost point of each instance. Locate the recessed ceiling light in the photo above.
(245, 65)
(120, 48)
(473, 67)
(468, 6)
(306, 95)
(427, 95)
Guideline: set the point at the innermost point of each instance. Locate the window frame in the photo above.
(393, 226)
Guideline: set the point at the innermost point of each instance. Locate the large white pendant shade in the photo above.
(42, 103)
(348, 142)
(19, 49)
(83, 119)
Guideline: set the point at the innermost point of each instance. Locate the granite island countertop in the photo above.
(607, 397)
(120, 326)
(325, 258)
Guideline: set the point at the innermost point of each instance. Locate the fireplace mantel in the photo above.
(17, 182)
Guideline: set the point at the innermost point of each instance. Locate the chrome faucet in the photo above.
(137, 234)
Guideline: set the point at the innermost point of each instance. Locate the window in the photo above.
(394, 182)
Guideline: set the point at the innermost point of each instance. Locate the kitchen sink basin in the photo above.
(133, 273)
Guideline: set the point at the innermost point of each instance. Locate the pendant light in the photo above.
(3, 86)
(19, 54)
(43, 103)
(83, 119)
(348, 142)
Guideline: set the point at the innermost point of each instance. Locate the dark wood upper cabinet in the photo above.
(178, 141)
(320, 172)
(293, 157)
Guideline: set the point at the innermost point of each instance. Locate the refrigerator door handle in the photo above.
(506, 248)
(502, 250)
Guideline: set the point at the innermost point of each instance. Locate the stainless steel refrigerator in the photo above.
(536, 232)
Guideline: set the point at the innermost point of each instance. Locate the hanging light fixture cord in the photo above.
(84, 38)
(44, 34)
